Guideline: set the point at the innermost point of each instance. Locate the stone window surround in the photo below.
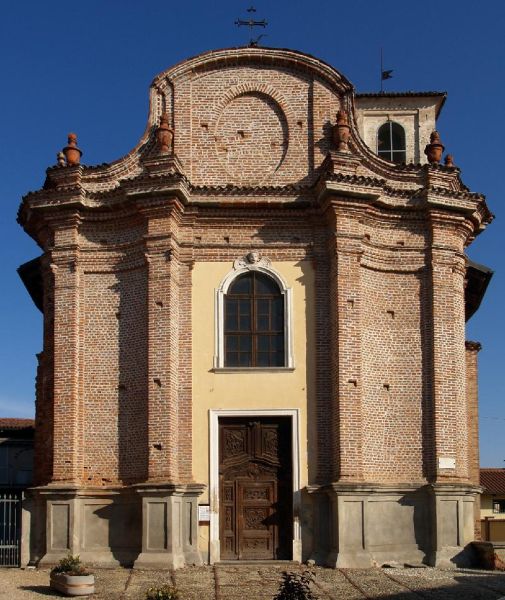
(214, 415)
(252, 262)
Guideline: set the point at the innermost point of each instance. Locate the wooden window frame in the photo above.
(389, 153)
(240, 268)
(254, 332)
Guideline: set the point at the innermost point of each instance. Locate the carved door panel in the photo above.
(256, 519)
(256, 493)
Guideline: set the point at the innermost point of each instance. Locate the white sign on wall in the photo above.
(203, 512)
(446, 463)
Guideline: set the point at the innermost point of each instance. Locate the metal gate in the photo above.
(10, 528)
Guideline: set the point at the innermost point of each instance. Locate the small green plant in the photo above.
(71, 565)
(163, 592)
(296, 586)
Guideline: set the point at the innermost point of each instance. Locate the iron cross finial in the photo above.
(251, 23)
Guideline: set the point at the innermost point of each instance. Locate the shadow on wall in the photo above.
(133, 392)
(120, 526)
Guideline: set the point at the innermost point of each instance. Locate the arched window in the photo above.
(254, 322)
(391, 142)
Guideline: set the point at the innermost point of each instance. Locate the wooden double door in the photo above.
(256, 488)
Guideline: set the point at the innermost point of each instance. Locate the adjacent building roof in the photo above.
(442, 96)
(493, 480)
(14, 423)
(477, 280)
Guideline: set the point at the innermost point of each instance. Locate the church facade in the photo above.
(254, 328)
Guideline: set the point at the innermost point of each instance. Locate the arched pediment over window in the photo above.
(253, 317)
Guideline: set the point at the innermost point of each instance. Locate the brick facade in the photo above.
(390, 403)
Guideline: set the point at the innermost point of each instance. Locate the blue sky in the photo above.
(86, 67)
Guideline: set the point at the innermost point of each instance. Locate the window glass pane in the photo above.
(263, 306)
(263, 323)
(232, 359)
(241, 285)
(384, 137)
(245, 359)
(245, 343)
(263, 359)
(231, 306)
(266, 285)
(398, 137)
(231, 343)
(278, 343)
(263, 343)
(399, 157)
(231, 322)
(245, 323)
(278, 359)
(245, 307)
(277, 314)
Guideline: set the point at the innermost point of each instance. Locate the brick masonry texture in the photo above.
(254, 167)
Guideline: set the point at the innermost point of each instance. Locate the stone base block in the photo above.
(169, 526)
(145, 526)
(160, 560)
(372, 525)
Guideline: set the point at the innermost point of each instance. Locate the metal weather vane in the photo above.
(385, 74)
(251, 23)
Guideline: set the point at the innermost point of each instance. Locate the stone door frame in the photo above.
(214, 416)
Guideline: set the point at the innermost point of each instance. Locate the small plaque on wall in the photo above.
(203, 512)
(446, 463)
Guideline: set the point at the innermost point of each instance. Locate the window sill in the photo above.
(253, 369)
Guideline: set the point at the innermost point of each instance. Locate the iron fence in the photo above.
(10, 528)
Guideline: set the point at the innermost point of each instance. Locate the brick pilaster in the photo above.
(163, 341)
(67, 410)
(472, 403)
(448, 352)
(347, 419)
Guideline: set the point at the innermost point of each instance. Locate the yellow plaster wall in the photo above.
(251, 390)
(486, 506)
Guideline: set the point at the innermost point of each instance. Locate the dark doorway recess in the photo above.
(256, 488)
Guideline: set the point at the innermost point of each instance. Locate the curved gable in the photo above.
(249, 116)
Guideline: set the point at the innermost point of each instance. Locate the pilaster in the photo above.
(447, 268)
(452, 518)
(67, 411)
(346, 347)
(163, 340)
(169, 526)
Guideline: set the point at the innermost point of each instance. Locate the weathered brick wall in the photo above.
(392, 376)
(472, 403)
(114, 377)
(246, 125)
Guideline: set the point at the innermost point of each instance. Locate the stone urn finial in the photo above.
(342, 132)
(435, 148)
(449, 160)
(72, 152)
(164, 135)
(60, 158)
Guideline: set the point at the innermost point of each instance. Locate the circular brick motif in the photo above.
(251, 137)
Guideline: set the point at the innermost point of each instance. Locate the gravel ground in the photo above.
(261, 582)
